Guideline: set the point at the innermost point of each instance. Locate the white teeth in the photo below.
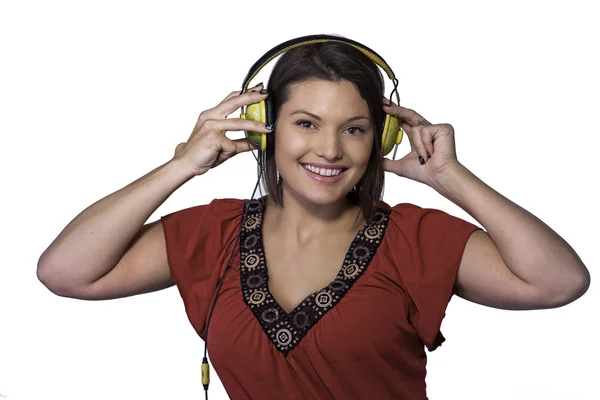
(322, 171)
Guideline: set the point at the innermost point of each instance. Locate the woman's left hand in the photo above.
(432, 147)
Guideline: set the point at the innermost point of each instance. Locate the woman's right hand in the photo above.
(208, 146)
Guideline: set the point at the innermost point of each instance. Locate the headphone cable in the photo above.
(205, 364)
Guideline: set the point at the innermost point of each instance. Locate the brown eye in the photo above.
(355, 130)
(304, 124)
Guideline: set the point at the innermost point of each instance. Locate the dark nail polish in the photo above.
(421, 160)
(257, 85)
(264, 91)
(428, 155)
(269, 127)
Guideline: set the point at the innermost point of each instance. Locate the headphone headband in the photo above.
(311, 39)
(261, 111)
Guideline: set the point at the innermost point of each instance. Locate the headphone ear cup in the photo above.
(256, 112)
(392, 135)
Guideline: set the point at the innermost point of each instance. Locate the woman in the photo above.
(354, 289)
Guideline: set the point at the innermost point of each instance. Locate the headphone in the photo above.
(263, 110)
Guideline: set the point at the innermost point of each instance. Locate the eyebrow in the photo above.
(320, 119)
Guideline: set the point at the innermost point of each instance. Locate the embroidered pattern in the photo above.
(286, 330)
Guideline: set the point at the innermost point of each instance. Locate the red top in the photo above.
(362, 336)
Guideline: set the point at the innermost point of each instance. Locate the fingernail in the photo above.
(264, 91)
(269, 127)
(421, 160)
(257, 85)
(428, 155)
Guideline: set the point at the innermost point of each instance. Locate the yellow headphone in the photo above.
(262, 111)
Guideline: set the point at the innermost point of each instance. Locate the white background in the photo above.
(94, 95)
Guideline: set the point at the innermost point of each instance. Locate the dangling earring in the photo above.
(278, 176)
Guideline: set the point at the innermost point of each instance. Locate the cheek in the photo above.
(362, 153)
(290, 144)
(284, 150)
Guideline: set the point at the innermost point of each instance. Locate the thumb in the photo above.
(406, 167)
(399, 167)
(228, 148)
(390, 165)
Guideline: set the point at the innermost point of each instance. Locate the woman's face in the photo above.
(324, 140)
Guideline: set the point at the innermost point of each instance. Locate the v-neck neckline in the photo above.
(285, 330)
(261, 243)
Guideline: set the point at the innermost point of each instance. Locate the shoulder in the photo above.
(409, 210)
(217, 218)
(228, 208)
(411, 213)
(428, 225)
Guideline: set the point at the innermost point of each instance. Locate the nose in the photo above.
(328, 145)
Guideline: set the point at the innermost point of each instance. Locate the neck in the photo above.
(301, 219)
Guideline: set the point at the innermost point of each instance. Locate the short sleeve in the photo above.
(429, 245)
(198, 241)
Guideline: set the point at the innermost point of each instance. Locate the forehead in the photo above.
(325, 98)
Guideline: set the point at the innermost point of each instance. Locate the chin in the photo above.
(321, 194)
(324, 199)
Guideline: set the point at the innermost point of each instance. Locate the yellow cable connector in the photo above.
(205, 373)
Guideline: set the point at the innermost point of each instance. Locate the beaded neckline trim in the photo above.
(286, 330)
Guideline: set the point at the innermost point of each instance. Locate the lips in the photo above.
(324, 169)
(335, 173)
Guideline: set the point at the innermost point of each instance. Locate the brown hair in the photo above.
(332, 62)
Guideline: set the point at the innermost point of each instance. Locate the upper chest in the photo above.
(297, 271)
(287, 309)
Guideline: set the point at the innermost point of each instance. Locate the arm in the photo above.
(105, 252)
(109, 235)
(520, 263)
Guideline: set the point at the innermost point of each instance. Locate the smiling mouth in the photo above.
(324, 172)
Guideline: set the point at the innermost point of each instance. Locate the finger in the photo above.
(427, 141)
(407, 128)
(417, 141)
(410, 116)
(236, 102)
(256, 88)
(391, 108)
(235, 124)
(231, 103)
(230, 95)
